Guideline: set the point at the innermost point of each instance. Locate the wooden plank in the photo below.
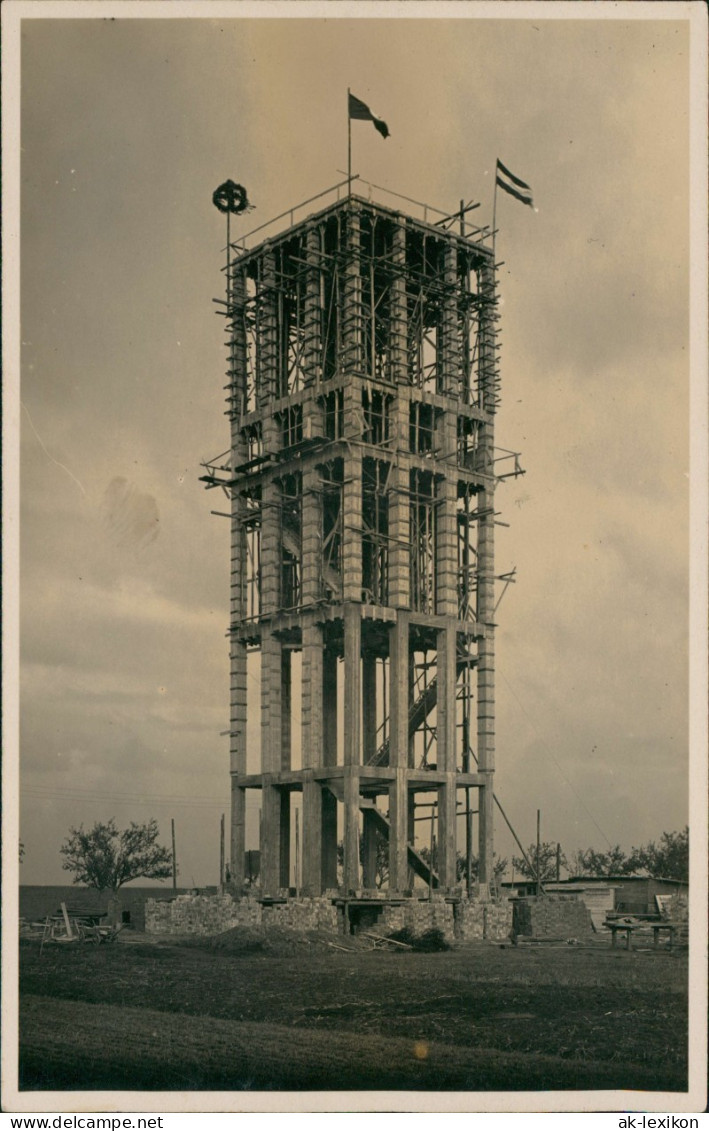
(67, 921)
(383, 938)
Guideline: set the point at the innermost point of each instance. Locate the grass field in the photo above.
(299, 1015)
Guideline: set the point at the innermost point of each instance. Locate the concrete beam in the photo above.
(369, 706)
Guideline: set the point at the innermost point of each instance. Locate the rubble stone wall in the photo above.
(418, 916)
(483, 919)
(551, 916)
(211, 914)
(498, 919)
(302, 915)
(199, 914)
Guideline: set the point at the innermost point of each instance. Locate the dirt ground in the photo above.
(295, 1013)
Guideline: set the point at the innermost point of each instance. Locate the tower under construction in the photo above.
(363, 387)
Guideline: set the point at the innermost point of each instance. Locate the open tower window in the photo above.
(331, 293)
(290, 317)
(291, 540)
(424, 295)
(334, 414)
(467, 522)
(251, 524)
(422, 420)
(375, 279)
(253, 440)
(423, 541)
(375, 531)
(332, 492)
(468, 443)
(291, 422)
(375, 412)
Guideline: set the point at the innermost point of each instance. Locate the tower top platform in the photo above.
(453, 226)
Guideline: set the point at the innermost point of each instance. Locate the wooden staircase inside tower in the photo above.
(368, 805)
(290, 539)
(419, 711)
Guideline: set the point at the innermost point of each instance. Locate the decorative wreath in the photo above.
(230, 197)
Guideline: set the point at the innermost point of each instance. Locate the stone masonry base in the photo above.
(463, 920)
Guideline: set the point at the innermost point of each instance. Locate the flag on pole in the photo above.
(513, 185)
(361, 112)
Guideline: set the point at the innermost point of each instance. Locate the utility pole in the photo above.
(430, 861)
(221, 853)
(174, 857)
(558, 862)
(539, 815)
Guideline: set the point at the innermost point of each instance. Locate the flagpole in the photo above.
(349, 145)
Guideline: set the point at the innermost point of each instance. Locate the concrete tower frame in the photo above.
(363, 387)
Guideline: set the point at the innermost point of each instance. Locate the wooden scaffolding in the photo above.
(363, 385)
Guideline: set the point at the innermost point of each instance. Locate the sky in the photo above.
(128, 126)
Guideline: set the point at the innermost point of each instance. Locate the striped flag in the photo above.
(361, 112)
(513, 185)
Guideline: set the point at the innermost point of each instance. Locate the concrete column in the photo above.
(238, 833)
(399, 879)
(237, 581)
(399, 513)
(447, 539)
(369, 860)
(447, 834)
(399, 692)
(271, 740)
(450, 351)
(446, 754)
(312, 838)
(353, 649)
(399, 532)
(237, 347)
(270, 839)
(329, 720)
(285, 709)
(311, 537)
(271, 434)
(284, 838)
(353, 683)
(312, 696)
(486, 810)
(238, 716)
(351, 310)
(312, 345)
(312, 743)
(267, 367)
(271, 682)
(328, 801)
(399, 753)
(352, 515)
(487, 378)
(237, 742)
(411, 836)
(397, 306)
(369, 707)
(486, 594)
(446, 671)
(270, 548)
